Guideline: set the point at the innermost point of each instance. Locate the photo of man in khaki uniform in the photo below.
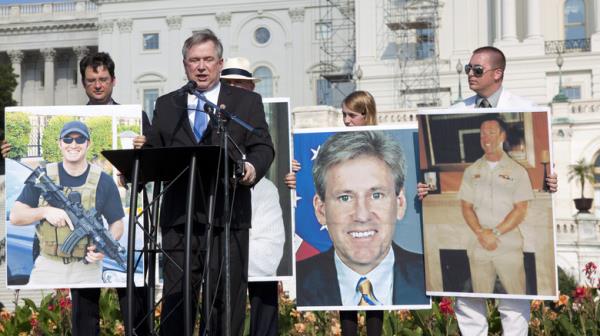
(494, 193)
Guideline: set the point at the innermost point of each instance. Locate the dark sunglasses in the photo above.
(478, 70)
(79, 141)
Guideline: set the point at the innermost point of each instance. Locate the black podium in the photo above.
(168, 165)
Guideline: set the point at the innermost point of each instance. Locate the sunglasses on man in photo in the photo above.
(69, 140)
(478, 70)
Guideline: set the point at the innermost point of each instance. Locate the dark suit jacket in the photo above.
(317, 283)
(171, 128)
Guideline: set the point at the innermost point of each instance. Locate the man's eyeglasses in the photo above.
(478, 70)
(79, 140)
(101, 80)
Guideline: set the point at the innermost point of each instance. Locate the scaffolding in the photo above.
(415, 27)
(336, 36)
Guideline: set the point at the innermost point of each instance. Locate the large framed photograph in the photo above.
(490, 232)
(357, 220)
(271, 253)
(66, 212)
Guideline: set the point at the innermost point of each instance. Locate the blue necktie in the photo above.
(367, 298)
(199, 118)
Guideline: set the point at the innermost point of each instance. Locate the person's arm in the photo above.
(5, 148)
(552, 182)
(514, 218)
(259, 148)
(290, 178)
(23, 214)
(422, 190)
(486, 237)
(116, 230)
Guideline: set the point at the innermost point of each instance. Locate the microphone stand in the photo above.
(222, 117)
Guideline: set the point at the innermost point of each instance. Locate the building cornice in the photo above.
(49, 27)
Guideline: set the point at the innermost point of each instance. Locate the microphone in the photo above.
(190, 87)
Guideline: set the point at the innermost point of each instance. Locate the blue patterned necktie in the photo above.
(199, 118)
(365, 289)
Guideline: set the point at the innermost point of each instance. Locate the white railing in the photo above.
(31, 9)
(56, 9)
(568, 230)
(63, 7)
(586, 106)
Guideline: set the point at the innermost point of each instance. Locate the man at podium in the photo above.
(180, 120)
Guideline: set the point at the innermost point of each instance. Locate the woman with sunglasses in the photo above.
(358, 109)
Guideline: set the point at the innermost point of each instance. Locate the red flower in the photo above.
(590, 270)
(446, 306)
(51, 307)
(33, 322)
(580, 293)
(65, 303)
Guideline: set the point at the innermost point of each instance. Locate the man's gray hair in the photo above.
(202, 36)
(345, 146)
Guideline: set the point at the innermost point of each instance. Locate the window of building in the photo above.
(150, 41)
(265, 86)
(573, 92)
(574, 20)
(262, 35)
(150, 96)
(323, 30)
(425, 43)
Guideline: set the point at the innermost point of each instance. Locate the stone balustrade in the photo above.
(56, 10)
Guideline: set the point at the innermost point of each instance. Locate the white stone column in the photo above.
(295, 67)
(80, 53)
(174, 52)
(498, 20)
(534, 24)
(16, 58)
(125, 94)
(49, 54)
(509, 20)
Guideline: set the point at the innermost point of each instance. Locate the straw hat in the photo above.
(237, 68)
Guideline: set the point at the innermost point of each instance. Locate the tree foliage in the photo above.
(18, 133)
(100, 133)
(8, 83)
(50, 149)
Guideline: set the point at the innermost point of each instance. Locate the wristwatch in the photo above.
(496, 232)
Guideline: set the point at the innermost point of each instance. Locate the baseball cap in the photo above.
(75, 126)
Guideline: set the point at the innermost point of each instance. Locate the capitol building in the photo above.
(408, 54)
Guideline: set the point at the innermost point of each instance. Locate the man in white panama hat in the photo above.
(236, 72)
(267, 235)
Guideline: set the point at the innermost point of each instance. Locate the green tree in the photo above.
(8, 83)
(101, 134)
(18, 133)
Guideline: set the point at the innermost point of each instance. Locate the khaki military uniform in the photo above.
(53, 266)
(493, 193)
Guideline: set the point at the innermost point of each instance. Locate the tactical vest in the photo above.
(52, 237)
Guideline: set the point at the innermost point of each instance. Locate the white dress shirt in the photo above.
(267, 235)
(381, 278)
(212, 95)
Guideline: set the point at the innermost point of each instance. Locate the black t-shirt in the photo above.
(108, 201)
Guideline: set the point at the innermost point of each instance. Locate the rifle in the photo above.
(85, 222)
